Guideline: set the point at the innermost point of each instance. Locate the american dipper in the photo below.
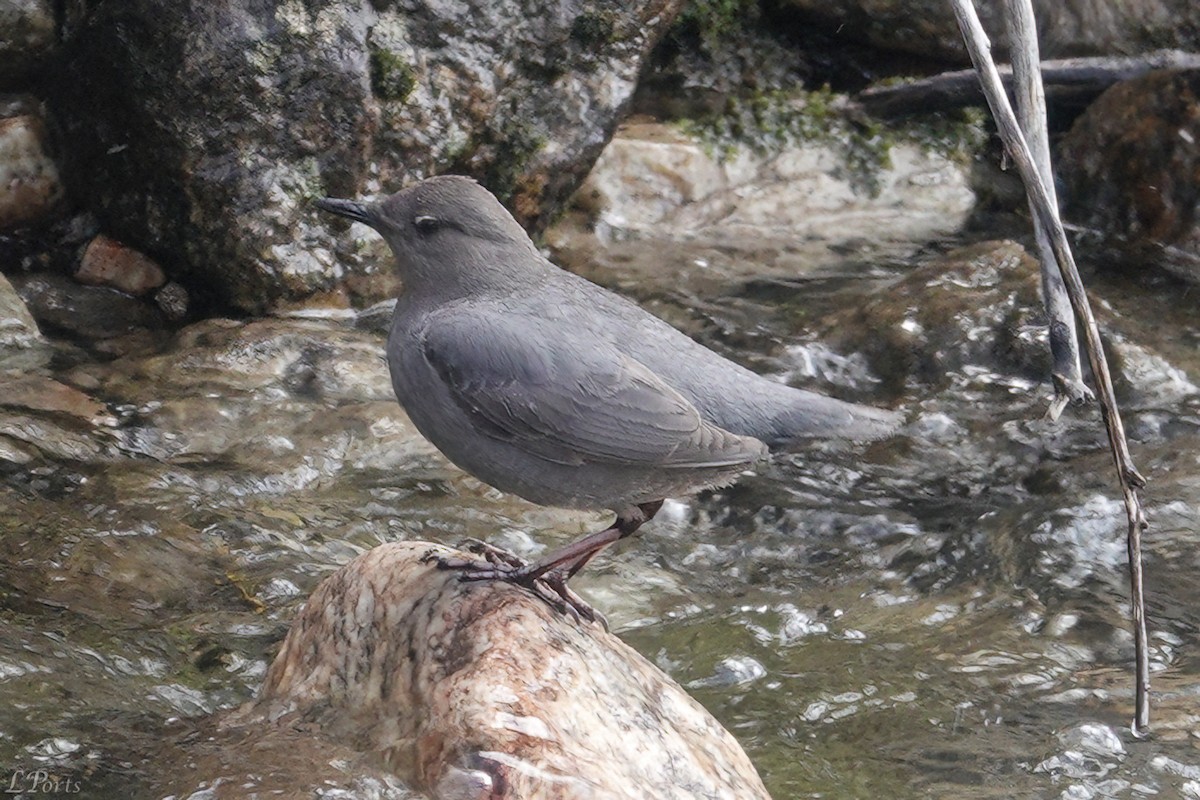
(547, 386)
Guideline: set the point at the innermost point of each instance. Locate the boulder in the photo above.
(1131, 170)
(808, 202)
(482, 690)
(201, 134)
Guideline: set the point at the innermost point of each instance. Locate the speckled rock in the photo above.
(173, 300)
(27, 36)
(481, 690)
(1066, 27)
(1131, 170)
(311, 97)
(107, 262)
(30, 190)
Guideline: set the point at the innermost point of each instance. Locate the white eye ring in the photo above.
(426, 223)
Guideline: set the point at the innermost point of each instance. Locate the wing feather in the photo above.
(571, 400)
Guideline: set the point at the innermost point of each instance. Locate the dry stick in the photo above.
(1067, 373)
(1069, 81)
(979, 48)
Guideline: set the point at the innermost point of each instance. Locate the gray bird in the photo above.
(547, 386)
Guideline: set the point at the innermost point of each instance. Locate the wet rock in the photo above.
(801, 201)
(308, 359)
(473, 690)
(65, 440)
(297, 400)
(29, 183)
(206, 757)
(111, 566)
(973, 314)
(1131, 167)
(14, 453)
(173, 300)
(107, 262)
(303, 99)
(21, 343)
(88, 313)
(27, 36)
(1065, 27)
(36, 393)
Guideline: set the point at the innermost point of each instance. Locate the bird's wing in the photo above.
(571, 399)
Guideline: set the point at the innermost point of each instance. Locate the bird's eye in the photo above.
(427, 224)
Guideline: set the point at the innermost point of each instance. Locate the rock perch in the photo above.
(479, 690)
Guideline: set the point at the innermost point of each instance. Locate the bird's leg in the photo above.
(626, 527)
(549, 575)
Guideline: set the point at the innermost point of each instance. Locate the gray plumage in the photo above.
(547, 386)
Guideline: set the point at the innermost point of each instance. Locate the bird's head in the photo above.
(444, 230)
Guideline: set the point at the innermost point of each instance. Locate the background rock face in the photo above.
(27, 34)
(1132, 168)
(1066, 27)
(205, 131)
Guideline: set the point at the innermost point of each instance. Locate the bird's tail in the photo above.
(814, 416)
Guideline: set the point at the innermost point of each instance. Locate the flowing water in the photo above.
(941, 614)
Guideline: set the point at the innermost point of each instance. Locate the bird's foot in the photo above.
(501, 565)
(492, 554)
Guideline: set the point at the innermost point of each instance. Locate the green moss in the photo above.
(392, 78)
(516, 143)
(713, 20)
(959, 134)
(768, 122)
(306, 182)
(593, 28)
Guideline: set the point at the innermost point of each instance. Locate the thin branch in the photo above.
(979, 48)
(1031, 106)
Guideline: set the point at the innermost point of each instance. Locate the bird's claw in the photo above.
(501, 565)
(493, 554)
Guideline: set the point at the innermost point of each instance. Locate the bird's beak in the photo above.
(359, 212)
